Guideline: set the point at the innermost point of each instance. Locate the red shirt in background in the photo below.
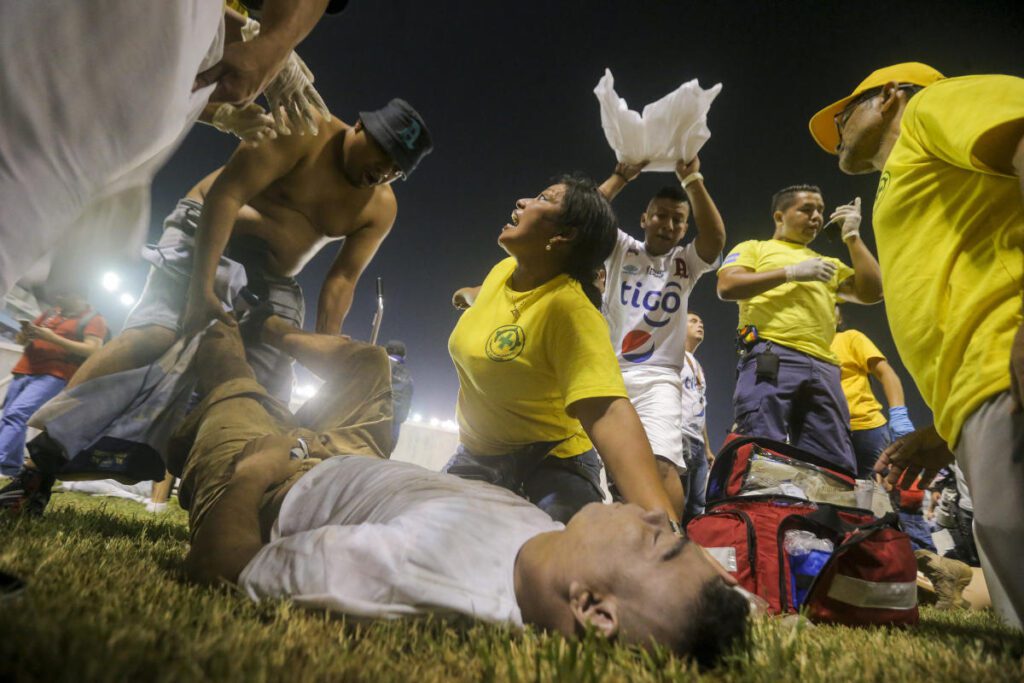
(46, 358)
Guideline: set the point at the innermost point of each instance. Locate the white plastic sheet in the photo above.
(673, 128)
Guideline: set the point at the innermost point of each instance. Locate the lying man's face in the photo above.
(639, 581)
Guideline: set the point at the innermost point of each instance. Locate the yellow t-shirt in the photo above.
(519, 376)
(950, 233)
(799, 315)
(855, 352)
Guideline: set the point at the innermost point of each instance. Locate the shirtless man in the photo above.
(268, 211)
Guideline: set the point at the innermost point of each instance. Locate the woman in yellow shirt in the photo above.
(539, 385)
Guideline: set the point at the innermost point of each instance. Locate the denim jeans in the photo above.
(917, 528)
(25, 395)
(558, 486)
(695, 481)
(868, 444)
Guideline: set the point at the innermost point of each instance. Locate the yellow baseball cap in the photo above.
(823, 125)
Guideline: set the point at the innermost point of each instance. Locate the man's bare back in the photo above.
(313, 204)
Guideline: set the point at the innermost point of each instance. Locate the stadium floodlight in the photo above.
(111, 281)
(305, 391)
(416, 417)
(434, 422)
(450, 425)
(127, 299)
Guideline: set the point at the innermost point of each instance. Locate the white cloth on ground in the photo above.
(384, 539)
(94, 97)
(646, 299)
(673, 128)
(656, 394)
(139, 492)
(694, 399)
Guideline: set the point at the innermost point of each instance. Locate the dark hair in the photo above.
(718, 623)
(673, 192)
(586, 209)
(395, 348)
(786, 197)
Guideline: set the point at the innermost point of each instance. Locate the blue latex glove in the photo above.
(899, 422)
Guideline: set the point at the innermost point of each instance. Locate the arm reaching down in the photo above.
(355, 254)
(246, 68)
(249, 171)
(615, 429)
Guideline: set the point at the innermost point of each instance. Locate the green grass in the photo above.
(106, 600)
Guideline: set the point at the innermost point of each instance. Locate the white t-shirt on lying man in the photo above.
(377, 538)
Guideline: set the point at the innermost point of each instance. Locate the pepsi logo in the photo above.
(637, 346)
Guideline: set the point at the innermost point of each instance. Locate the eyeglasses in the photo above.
(843, 117)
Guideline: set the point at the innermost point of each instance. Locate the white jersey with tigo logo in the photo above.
(694, 401)
(645, 301)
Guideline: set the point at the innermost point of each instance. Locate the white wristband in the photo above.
(789, 273)
(693, 177)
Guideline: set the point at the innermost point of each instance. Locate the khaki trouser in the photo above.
(350, 415)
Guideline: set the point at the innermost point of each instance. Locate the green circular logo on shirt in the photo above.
(505, 343)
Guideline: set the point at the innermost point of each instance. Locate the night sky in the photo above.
(506, 89)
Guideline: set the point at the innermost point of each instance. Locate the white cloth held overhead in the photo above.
(673, 128)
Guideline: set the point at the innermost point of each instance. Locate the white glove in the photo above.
(250, 123)
(848, 216)
(811, 270)
(291, 94)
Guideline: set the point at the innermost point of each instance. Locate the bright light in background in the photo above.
(305, 391)
(127, 299)
(111, 282)
(416, 417)
(450, 426)
(434, 422)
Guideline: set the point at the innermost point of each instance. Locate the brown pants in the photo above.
(350, 415)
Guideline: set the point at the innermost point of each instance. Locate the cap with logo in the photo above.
(823, 126)
(400, 130)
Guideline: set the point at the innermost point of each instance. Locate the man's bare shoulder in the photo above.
(382, 208)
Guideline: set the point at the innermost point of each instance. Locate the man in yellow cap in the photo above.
(949, 224)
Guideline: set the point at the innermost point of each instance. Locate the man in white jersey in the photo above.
(696, 448)
(648, 285)
(318, 515)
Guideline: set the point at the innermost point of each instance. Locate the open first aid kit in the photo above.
(806, 536)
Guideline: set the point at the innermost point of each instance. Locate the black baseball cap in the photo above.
(400, 130)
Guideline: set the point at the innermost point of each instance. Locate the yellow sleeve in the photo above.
(864, 350)
(579, 345)
(743, 254)
(843, 271)
(973, 122)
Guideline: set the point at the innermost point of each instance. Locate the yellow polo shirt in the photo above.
(855, 352)
(520, 374)
(950, 233)
(799, 315)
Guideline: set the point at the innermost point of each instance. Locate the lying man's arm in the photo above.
(230, 533)
(356, 253)
(615, 429)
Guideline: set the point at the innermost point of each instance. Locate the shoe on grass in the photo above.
(949, 577)
(156, 508)
(27, 493)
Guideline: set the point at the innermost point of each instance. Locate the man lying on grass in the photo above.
(318, 515)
